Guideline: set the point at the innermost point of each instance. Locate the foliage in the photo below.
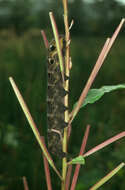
(99, 16)
(95, 94)
(17, 54)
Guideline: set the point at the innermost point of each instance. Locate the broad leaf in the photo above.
(95, 94)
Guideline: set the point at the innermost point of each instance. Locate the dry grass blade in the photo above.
(85, 138)
(77, 168)
(71, 24)
(90, 81)
(33, 125)
(45, 39)
(107, 177)
(105, 143)
(98, 65)
(114, 36)
(47, 172)
(69, 131)
(68, 177)
(25, 183)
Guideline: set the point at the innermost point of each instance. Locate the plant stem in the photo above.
(67, 61)
(56, 36)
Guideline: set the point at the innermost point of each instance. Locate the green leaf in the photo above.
(107, 177)
(33, 125)
(78, 160)
(95, 94)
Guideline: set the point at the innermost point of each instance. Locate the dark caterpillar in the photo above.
(55, 99)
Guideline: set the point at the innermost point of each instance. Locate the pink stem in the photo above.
(76, 173)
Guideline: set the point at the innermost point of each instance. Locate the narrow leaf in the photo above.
(105, 143)
(82, 149)
(90, 81)
(46, 43)
(96, 148)
(107, 46)
(56, 36)
(47, 171)
(78, 160)
(25, 183)
(33, 125)
(68, 177)
(107, 177)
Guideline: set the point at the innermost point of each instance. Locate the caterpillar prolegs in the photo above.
(55, 99)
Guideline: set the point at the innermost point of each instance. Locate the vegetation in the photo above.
(24, 58)
(97, 17)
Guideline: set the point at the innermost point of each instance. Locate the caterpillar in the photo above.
(55, 99)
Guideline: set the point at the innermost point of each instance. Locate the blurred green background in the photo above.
(23, 56)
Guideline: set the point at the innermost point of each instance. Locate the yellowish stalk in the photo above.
(67, 60)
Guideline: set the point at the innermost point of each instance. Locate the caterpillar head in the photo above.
(52, 50)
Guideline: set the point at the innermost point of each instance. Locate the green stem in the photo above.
(67, 35)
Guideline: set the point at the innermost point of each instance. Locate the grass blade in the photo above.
(98, 147)
(46, 43)
(95, 70)
(107, 177)
(56, 36)
(105, 143)
(77, 168)
(68, 177)
(33, 125)
(89, 82)
(47, 171)
(25, 183)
